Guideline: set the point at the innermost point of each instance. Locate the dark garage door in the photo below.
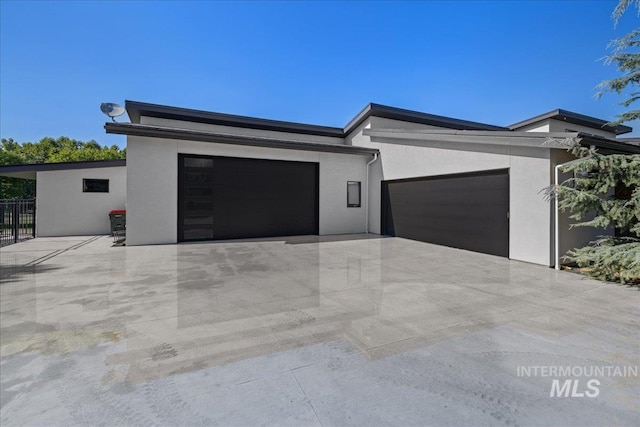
(231, 198)
(466, 211)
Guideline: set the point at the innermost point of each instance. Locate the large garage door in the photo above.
(466, 211)
(231, 198)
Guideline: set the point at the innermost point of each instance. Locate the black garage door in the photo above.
(466, 211)
(231, 198)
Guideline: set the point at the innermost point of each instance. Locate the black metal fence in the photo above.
(17, 220)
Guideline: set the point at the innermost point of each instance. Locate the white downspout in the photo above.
(366, 206)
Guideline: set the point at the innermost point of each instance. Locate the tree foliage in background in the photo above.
(47, 150)
(626, 55)
(604, 193)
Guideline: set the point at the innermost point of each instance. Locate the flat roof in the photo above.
(224, 138)
(575, 118)
(137, 109)
(384, 111)
(28, 171)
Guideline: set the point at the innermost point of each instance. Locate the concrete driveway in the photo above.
(347, 330)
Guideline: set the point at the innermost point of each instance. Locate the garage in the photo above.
(233, 198)
(466, 211)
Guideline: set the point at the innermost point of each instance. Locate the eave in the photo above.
(558, 140)
(224, 138)
(29, 171)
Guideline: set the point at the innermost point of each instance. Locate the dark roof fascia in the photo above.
(44, 167)
(193, 135)
(574, 118)
(611, 146)
(384, 111)
(137, 109)
(634, 141)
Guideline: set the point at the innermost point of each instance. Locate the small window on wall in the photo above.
(353, 194)
(95, 185)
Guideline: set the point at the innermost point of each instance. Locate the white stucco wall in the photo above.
(530, 218)
(152, 186)
(62, 209)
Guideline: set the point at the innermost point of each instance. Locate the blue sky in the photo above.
(311, 62)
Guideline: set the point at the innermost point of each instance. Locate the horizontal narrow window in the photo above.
(353, 194)
(95, 185)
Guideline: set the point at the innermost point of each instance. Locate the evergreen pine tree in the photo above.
(605, 190)
(626, 57)
(604, 193)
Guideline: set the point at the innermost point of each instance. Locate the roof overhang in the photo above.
(29, 171)
(609, 146)
(224, 138)
(502, 138)
(384, 111)
(18, 174)
(558, 140)
(574, 118)
(136, 110)
(632, 140)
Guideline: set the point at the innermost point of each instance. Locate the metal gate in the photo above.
(17, 220)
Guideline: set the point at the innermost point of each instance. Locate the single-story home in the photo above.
(196, 175)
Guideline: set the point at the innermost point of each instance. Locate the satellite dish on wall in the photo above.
(112, 110)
